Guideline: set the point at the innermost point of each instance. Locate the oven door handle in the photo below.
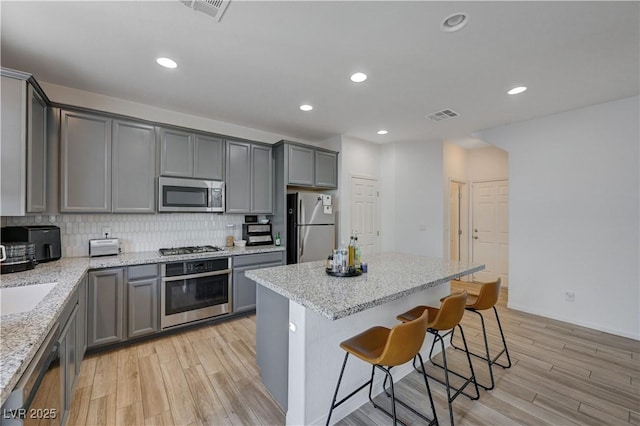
(193, 276)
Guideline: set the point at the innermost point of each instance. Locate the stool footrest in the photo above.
(459, 390)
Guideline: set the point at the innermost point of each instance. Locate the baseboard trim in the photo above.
(587, 324)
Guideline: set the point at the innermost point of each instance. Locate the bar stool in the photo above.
(487, 299)
(447, 317)
(385, 348)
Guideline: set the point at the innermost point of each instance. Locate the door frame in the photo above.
(465, 217)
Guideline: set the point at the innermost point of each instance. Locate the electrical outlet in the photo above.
(569, 296)
(106, 230)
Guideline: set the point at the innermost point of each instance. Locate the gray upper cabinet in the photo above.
(249, 178)
(261, 179)
(23, 142)
(36, 152)
(326, 169)
(300, 166)
(208, 157)
(85, 163)
(176, 153)
(186, 154)
(238, 181)
(12, 143)
(312, 167)
(105, 319)
(134, 167)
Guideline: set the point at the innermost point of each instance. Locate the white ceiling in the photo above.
(263, 59)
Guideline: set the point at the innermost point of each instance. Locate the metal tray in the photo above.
(354, 273)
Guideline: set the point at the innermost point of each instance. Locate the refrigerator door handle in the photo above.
(300, 245)
(302, 218)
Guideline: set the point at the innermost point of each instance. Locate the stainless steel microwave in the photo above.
(190, 195)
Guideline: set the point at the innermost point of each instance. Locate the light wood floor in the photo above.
(562, 374)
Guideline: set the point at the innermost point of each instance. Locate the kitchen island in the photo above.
(303, 314)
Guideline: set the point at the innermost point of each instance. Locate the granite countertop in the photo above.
(22, 333)
(390, 276)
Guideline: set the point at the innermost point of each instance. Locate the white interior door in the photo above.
(364, 214)
(490, 229)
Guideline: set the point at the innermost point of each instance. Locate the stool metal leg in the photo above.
(335, 395)
(391, 395)
(472, 379)
(487, 357)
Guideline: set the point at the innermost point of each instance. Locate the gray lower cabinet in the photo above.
(133, 168)
(105, 316)
(69, 352)
(249, 178)
(186, 154)
(69, 359)
(85, 163)
(82, 321)
(244, 289)
(143, 285)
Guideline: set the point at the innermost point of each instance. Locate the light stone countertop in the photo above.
(390, 276)
(22, 333)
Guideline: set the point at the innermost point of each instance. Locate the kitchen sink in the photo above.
(22, 299)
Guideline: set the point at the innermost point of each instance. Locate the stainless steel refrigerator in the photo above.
(311, 227)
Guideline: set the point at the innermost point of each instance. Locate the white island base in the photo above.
(315, 357)
(303, 315)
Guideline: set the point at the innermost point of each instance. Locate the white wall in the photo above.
(574, 215)
(487, 163)
(415, 195)
(387, 197)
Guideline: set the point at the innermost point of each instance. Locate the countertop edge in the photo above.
(339, 314)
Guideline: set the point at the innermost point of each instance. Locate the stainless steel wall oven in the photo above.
(193, 290)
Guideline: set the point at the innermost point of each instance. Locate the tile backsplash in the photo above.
(136, 232)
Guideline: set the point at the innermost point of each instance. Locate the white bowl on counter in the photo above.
(240, 243)
(264, 221)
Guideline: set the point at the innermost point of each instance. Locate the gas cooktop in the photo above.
(188, 250)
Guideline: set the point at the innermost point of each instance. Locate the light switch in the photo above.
(326, 200)
(328, 209)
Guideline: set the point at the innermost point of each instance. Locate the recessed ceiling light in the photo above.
(517, 90)
(167, 62)
(358, 77)
(454, 22)
(382, 132)
(306, 107)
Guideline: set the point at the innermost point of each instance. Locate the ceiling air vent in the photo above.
(445, 114)
(213, 8)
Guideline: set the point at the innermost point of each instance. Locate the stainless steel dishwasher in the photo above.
(37, 398)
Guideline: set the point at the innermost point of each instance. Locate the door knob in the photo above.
(475, 238)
